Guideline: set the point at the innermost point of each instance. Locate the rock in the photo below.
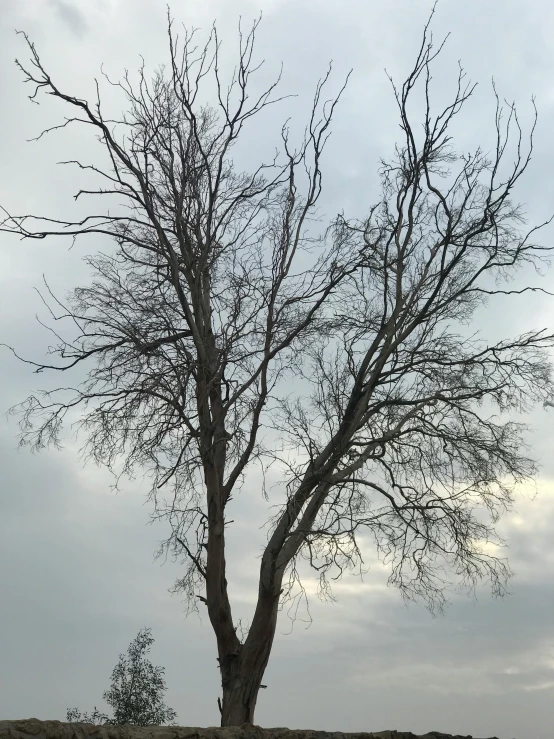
(32, 727)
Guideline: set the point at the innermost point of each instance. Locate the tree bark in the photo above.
(243, 669)
(240, 694)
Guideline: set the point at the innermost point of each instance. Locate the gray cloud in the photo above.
(71, 16)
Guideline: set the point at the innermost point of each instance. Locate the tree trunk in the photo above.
(239, 699)
(243, 669)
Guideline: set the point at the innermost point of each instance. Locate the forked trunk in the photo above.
(242, 670)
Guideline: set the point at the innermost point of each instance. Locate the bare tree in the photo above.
(218, 314)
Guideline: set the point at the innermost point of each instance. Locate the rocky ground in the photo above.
(32, 728)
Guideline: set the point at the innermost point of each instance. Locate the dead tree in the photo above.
(218, 313)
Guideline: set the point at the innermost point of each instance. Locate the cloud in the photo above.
(71, 16)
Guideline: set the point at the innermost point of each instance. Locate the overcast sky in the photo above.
(78, 576)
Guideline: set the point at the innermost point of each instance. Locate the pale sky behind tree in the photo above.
(78, 578)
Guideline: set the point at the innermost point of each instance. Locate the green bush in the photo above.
(136, 692)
